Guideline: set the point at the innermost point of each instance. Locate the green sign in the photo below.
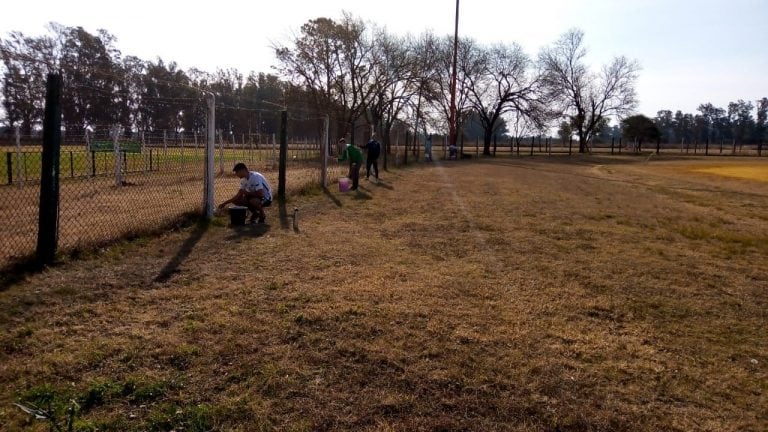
(108, 146)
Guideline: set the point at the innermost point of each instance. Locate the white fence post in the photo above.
(210, 145)
(18, 157)
(118, 157)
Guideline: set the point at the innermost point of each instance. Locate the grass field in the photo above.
(74, 162)
(743, 171)
(538, 294)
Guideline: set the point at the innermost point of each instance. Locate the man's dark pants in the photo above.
(354, 174)
(372, 162)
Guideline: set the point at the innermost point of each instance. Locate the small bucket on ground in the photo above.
(344, 184)
(237, 215)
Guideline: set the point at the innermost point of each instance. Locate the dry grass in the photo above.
(536, 294)
(750, 172)
(93, 211)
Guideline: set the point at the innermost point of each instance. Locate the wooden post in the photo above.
(9, 166)
(570, 145)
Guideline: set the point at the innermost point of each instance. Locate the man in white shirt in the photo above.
(255, 193)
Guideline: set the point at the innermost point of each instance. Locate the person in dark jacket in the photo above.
(373, 149)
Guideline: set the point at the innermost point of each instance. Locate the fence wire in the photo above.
(116, 187)
(149, 183)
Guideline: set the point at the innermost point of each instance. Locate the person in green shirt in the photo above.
(355, 157)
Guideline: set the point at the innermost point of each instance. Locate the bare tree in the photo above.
(587, 97)
(468, 69)
(503, 83)
(396, 71)
(330, 60)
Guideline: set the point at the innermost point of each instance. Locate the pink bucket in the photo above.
(344, 184)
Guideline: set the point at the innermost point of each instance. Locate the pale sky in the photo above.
(691, 51)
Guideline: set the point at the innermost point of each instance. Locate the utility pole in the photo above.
(452, 120)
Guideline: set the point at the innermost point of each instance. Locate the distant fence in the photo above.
(537, 146)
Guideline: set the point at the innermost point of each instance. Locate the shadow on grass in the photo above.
(248, 231)
(362, 194)
(332, 197)
(183, 253)
(382, 184)
(288, 220)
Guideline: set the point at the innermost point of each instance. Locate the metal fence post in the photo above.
(283, 154)
(48, 222)
(210, 145)
(324, 153)
(221, 152)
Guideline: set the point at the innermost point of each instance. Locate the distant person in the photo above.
(355, 157)
(373, 151)
(453, 152)
(254, 193)
(428, 148)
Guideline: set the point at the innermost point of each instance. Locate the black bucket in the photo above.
(237, 215)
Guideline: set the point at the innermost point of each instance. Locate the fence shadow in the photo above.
(172, 267)
(284, 219)
(382, 184)
(362, 194)
(333, 198)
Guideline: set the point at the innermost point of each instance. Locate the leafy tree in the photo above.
(665, 121)
(741, 120)
(761, 126)
(565, 132)
(26, 64)
(588, 97)
(640, 128)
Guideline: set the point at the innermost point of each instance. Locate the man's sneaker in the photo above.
(262, 220)
(253, 219)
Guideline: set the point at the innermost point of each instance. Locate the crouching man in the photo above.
(255, 193)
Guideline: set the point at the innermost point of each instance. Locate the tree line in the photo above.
(103, 88)
(365, 78)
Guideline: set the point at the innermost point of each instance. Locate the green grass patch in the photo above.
(732, 242)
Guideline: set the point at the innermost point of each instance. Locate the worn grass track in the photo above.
(530, 294)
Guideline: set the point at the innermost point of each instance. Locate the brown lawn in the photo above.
(534, 294)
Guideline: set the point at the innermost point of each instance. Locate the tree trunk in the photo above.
(582, 143)
(487, 138)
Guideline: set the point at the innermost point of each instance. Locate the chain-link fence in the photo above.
(117, 186)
